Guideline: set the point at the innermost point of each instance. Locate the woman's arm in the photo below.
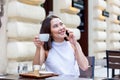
(39, 57)
(36, 59)
(79, 55)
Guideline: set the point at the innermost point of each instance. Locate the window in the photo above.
(80, 5)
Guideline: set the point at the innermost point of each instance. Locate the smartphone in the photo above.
(67, 33)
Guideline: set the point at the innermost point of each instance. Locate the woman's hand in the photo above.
(71, 37)
(39, 57)
(37, 42)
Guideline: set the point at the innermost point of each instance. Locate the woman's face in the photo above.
(58, 30)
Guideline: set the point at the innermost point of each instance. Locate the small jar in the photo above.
(36, 69)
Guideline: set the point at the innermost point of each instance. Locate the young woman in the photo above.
(62, 54)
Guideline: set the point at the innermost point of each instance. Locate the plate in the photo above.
(42, 75)
(46, 72)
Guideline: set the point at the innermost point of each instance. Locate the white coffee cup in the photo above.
(44, 37)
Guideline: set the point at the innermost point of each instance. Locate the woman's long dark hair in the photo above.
(46, 28)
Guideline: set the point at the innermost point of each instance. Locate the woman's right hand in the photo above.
(37, 42)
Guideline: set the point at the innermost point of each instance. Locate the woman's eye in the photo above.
(61, 23)
(55, 26)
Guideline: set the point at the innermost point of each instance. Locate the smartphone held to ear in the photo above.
(67, 33)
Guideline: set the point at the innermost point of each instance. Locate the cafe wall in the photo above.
(104, 28)
(97, 28)
(21, 24)
(3, 40)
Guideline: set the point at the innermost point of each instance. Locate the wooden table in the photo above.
(17, 77)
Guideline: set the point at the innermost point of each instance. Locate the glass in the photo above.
(22, 68)
(36, 69)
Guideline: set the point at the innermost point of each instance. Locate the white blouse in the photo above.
(61, 59)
